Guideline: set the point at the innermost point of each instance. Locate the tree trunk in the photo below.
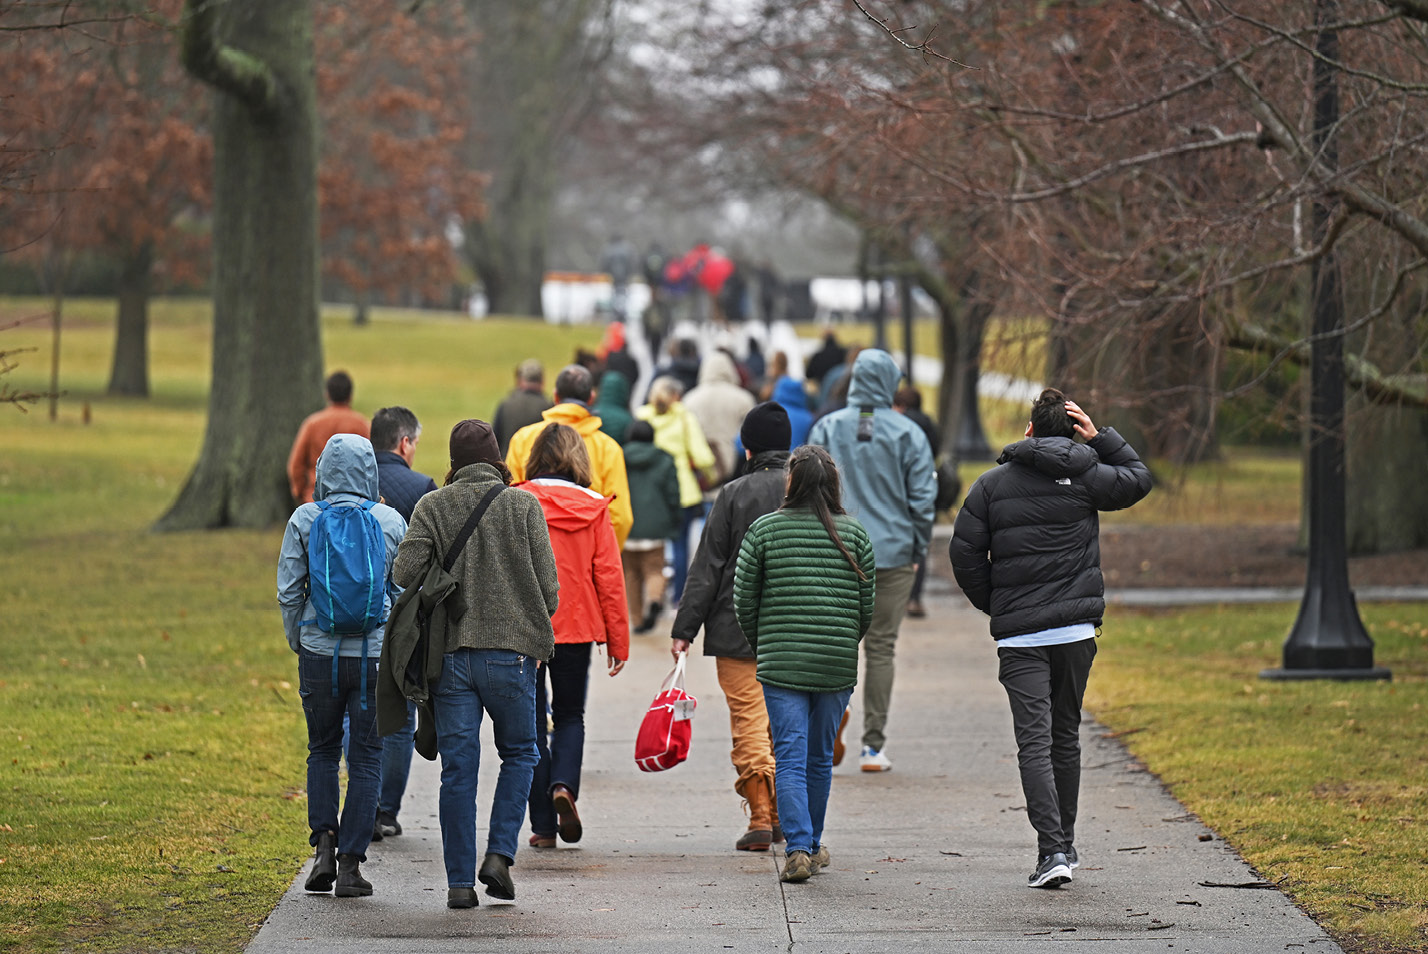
(129, 375)
(267, 351)
(971, 439)
(507, 248)
(1387, 501)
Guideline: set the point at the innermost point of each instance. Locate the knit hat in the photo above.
(473, 442)
(766, 428)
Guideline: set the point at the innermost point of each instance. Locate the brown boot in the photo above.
(760, 833)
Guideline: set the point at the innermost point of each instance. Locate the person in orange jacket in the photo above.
(592, 610)
(337, 418)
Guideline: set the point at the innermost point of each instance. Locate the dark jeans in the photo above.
(680, 551)
(1045, 685)
(562, 752)
(325, 713)
(397, 763)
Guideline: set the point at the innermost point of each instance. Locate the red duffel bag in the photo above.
(663, 741)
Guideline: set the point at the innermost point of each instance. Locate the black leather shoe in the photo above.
(566, 817)
(350, 883)
(495, 874)
(461, 898)
(324, 863)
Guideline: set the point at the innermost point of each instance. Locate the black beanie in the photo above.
(766, 428)
(473, 442)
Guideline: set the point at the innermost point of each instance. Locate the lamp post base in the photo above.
(1375, 673)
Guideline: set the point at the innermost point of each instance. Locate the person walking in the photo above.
(719, 403)
(908, 402)
(524, 405)
(612, 405)
(654, 494)
(803, 590)
(1026, 550)
(890, 485)
(395, 432)
(592, 610)
(337, 675)
(574, 388)
(677, 433)
(708, 603)
(337, 418)
(508, 582)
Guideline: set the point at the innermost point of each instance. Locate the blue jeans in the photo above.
(325, 713)
(397, 763)
(804, 726)
(500, 683)
(562, 752)
(679, 550)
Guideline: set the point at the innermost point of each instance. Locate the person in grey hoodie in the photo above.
(889, 485)
(346, 475)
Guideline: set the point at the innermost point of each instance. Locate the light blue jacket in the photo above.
(346, 473)
(889, 480)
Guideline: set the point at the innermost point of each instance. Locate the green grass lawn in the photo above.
(153, 767)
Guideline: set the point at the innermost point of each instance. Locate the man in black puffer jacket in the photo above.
(1026, 550)
(709, 602)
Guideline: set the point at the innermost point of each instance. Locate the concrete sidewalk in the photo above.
(929, 857)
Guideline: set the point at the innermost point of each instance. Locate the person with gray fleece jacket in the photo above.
(508, 582)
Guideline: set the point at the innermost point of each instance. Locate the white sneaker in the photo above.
(873, 761)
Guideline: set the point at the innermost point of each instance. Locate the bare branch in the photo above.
(925, 47)
(1413, 9)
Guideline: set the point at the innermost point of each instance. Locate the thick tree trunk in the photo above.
(267, 352)
(129, 375)
(1387, 499)
(507, 249)
(971, 439)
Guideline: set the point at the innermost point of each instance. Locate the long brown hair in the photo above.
(559, 449)
(813, 484)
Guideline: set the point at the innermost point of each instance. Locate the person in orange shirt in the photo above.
(337, 418)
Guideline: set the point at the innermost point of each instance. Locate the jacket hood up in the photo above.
(718, 368)
(348, 465)
(567, 505)
(789, 392)
(1053, 456)
(575, 416)
(875, 379)
(614, 391)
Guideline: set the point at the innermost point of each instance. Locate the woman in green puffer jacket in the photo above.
(803, 594)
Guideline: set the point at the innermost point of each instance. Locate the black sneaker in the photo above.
(1071, 859)
(387, 825)
(1053, 871)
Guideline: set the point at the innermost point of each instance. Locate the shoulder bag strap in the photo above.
(470, 527)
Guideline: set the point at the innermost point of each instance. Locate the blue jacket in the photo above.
(346, 473)
(889, 480)
(400, 486)
(789, 393)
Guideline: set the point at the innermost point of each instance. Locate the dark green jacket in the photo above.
(612, 405)
(654, 492)
(800, 603)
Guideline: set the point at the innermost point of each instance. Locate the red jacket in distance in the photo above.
(587, 561)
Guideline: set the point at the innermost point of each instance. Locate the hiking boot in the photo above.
(873, 761)
(350, 883)
(1071, 859)
(387, 825)
(324, 863)
(755, 839)
(798, 867)
(541, 841)
(565, 814)
(916, 610)
(1051, 872)
(495, 874)
(821, 858)
(839, 749)
(461, 898)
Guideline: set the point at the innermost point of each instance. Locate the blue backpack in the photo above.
(346, 571)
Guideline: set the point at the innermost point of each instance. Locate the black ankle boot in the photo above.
(324, 863)
(495, 874)
(350, 883)
(651, 617)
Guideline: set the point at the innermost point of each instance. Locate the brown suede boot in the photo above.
(760, 833)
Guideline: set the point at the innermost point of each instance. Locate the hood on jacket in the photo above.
(567, 505)
(348, 465)
(1053, 456)
(575, 416)
(875, 379)
(718, 368)
(789, 392)
(614, 391)
(642, 455)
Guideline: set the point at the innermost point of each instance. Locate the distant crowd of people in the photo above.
(564, 525)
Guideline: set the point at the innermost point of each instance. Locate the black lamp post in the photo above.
(1328, 640)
